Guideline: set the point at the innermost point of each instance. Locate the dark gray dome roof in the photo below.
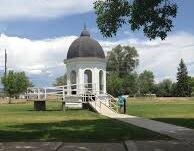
(85, 46)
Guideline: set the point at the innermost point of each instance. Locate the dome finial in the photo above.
(85, 26)
(85, 32)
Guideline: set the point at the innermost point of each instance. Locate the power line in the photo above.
(5, 63)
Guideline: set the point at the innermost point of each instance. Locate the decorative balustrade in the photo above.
(85, 92)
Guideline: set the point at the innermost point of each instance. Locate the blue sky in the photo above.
(45, 29)
(41, 28)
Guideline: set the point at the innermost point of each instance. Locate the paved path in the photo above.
(177, 132)
(60, 146)
(158, 145)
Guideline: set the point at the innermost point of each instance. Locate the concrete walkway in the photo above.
(60, 146)
(177, 132)
(130, 145)
(158, 145)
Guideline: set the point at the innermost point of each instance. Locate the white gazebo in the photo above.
(86, 66)
(86, 79)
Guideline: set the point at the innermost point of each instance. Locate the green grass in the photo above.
(178, 112)
(18, 122)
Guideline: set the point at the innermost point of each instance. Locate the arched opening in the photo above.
(88, 80)
(101, 81)
(73, 82)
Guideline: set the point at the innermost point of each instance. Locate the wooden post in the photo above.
(63, 93)
(63, 99)
(63, 105)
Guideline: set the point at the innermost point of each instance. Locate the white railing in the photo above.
(109, 102)
(86, 92)
(113, 102)
(64, 91)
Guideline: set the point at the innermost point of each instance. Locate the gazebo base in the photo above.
(40, 105)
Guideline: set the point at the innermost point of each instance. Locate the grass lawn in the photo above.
(18, 122)
(178, 112)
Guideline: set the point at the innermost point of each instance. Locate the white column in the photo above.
(81, 80)
(45, 94)
(95, 80)
(104, 76)
(38, 93)
(68, 83)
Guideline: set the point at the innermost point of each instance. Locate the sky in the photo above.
(38, 33)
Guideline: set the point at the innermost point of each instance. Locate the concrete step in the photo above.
(74, 102)
(73, 105)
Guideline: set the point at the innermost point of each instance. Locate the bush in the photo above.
(192, 94)
(114, 84)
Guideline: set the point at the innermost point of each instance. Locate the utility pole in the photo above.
(5, 63)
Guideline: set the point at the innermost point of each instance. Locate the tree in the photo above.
(164, 88)
(15, 83)
(130, 84)
(114, 84)
(192, 85)
(155, 17)
(62, 80)
(183, 86)
(122, 60)
(173, 89)
(146, 82)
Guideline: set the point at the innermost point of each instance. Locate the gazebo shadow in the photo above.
(54, 110)
(96, 130)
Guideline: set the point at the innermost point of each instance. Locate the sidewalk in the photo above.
(60, 146)
(126, 146)
(177, 132)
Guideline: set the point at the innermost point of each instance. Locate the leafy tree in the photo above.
(192, 83)
(130, 84)
(122, 60)
(62, 80)
(15, 83)
(146, 82)
(164, 88)
(155, 17)
(183, 87)
(174, 89)
(114, 84)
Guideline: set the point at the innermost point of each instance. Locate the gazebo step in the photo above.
(73, 105)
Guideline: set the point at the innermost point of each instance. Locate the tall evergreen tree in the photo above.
(183, 87)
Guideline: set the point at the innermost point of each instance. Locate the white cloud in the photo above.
(35, 72)
(35, 56)
(12, 9)
(43, 59)
(162, 57)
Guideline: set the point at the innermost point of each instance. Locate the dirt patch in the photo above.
(161, 98)
(14, 101)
